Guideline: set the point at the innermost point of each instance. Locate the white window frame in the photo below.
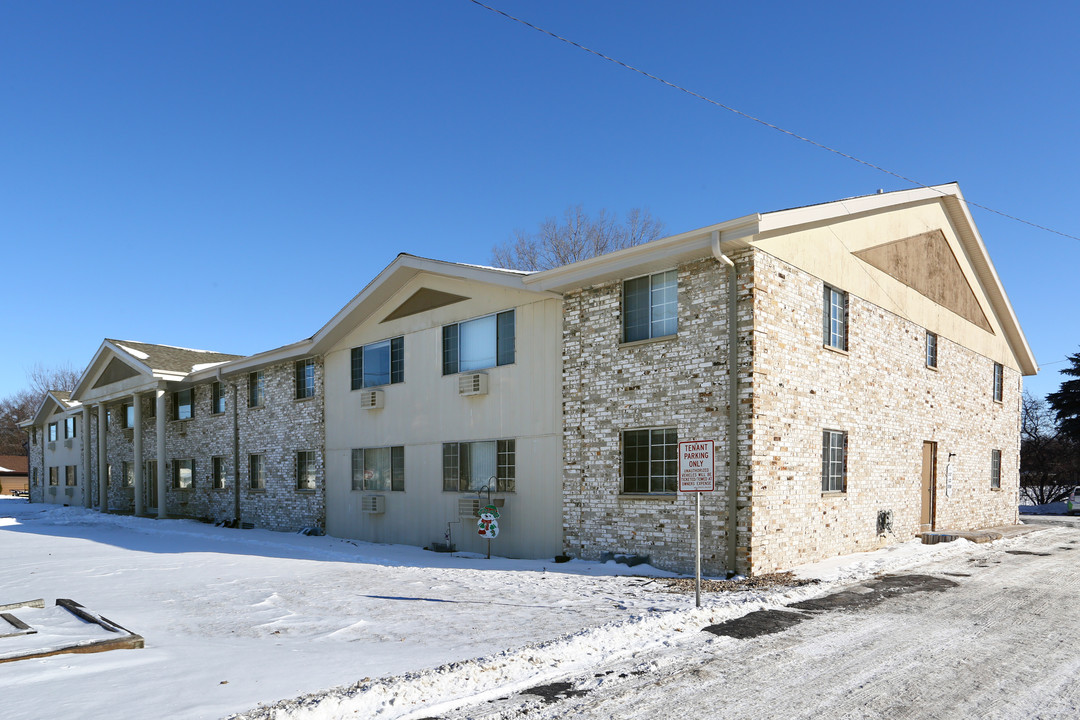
(658, 324)
(836, 318)
(834, 458)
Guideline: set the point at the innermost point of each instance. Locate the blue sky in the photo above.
(227, 175)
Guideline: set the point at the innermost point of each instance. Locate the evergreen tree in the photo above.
(1066, 401)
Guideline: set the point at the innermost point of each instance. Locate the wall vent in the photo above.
(473, 384)
(67, 443)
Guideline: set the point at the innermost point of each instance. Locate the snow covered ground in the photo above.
(237, 620)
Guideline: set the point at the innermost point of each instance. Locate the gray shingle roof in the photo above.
(171, 359)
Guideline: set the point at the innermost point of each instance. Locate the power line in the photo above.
(758, 120)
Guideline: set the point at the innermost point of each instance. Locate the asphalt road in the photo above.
(990, 634)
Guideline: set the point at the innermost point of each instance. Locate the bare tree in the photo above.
(576, 237)
(23, 404)
(1047, 457)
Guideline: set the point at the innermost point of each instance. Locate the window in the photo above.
(256, 472)
(183, 476)
(469, 467)
(650, 306)
(217, 473)
(151, 408)
(305, 378)
(931, 349)
(478, 343)
(128, 412)
(836, 318)
(54, 476)
(71, 478)
(256, 389)
(34, 476)
(381, 363)
(305, 470)
(33, 435)
(52, 432)
(217, 398)
(69, 427)
(379, 468)
(995, 469)
(108, 419)
(999, 378)
(650, 460)
(183, 404)
(833, 461)
(128, 470)
(108, 475)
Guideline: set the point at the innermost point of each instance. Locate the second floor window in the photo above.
(836, 318)
(380, 363)
(69, 428)
(479, 343)
(650, 306)
(256, 389)
(183, 404)
(999, 381)
(931, 349)
(305, 378)
(128, 412)
(52, 432)
(217, 398)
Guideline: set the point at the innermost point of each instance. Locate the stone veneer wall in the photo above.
(278, 429)
(35, 461)
(679, 381)
(882, 394)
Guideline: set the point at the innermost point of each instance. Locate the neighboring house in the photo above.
(14, 474)
(874, 393)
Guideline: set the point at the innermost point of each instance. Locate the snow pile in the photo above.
(238, 619)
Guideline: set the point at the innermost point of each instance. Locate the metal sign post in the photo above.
(696, 475)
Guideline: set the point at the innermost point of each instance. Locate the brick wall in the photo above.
(679, 382)
(882, 394)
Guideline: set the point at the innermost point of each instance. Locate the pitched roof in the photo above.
(14, 464)
(171, 359)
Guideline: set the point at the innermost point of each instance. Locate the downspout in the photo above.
(733, 403)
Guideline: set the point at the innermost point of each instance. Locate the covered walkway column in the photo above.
(102, 460)
(140, 491)
(159, 420)
(87, 485)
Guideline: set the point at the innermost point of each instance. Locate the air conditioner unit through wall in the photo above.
(372, 399)
(473, 384)
(373, 504)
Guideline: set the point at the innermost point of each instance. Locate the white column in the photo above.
(140, 491)
(86, 456)
(102, 460)
(160, 423)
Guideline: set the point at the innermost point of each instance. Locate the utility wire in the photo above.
(758, 120)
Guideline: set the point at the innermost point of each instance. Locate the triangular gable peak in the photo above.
(411, 286)
(916, 253)
(121, 368)
(55, 402)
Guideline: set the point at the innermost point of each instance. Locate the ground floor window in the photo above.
(217, 472)
(833, 461)
(378, 468)
(54, 476)
(995, 469)
(305, 470)
(650, 460)
(71, 476)
(256, 472)
(183, 474)
(128, 470)
(472, 466)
